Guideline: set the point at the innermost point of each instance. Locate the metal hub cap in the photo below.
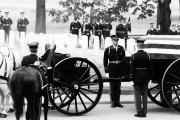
(76, 87)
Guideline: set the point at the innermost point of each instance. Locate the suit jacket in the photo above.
(7, 24)
(74, 27)
(106, 29)
(29, 59)
(141, 67)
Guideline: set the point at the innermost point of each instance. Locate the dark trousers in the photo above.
(115, 71)
(141, 93)
(6, 36)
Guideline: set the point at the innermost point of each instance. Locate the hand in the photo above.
(107, 74)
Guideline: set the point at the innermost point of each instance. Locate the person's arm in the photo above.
(27, 22)
(105, 60)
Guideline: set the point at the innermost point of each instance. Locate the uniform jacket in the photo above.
(29, 59)
(110, 54)
(21, 24)
(141, 67)
(152, 32)
(120, 31)
(74, 27)
(86, 28)
(98, 29)
(7, 24)
(1, 22)
(106, 29)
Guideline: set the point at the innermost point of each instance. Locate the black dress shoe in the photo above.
(113, 105)
(138, 115)
(119, 105)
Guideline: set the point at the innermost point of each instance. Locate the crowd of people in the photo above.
(174, 30)
(6, 22)
(100, 28)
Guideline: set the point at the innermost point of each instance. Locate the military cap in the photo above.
(114, 37)
(151, 23)
(33, 45)
(6, 12)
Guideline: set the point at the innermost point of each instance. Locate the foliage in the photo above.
(97, 8)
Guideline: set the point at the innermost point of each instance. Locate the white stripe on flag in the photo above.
(170, 42)
(162, 51)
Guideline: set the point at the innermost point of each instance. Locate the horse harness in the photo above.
(3, 77)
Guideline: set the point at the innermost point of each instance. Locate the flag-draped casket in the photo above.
(163, 49)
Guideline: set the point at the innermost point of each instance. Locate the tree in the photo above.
(40, 26)
(114, 10)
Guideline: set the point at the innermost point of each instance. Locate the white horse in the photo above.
(5, 73)
(10, 60)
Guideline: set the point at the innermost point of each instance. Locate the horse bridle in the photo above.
(5, 72)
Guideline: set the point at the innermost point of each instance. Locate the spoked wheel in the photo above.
(155, 94)
(171, 85)
(77, 86)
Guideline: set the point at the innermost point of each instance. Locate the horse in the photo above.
(5, 73)
(27, 82)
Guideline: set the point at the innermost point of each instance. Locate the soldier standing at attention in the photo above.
(30, 59)
(22, 23)
(1, 21)
(87, 29)
(107, 27)
(120, 30)
(141, 74)
(151, 30)
(7, 22)
(113, 67)
(98, 30)
(75, 26)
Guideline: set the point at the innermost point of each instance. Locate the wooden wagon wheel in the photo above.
(171, 85)
(155, 94)
(76, 87)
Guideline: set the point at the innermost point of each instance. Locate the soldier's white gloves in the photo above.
(107, 74)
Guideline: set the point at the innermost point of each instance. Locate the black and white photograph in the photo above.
(89, 59)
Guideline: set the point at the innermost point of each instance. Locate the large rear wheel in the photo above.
(77, 86)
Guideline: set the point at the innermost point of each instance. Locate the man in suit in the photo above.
(151, 30)
(173, 30)
(113, 67)
(7, 22)
(141, 75)
(30, 59)
(22, 23)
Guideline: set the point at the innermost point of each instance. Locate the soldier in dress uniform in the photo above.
(98, 30)
(151, 30)
(106, 28)
(141, 75)
(87, 29)
(30, 59)
(120, 30)
(75, 26)
(1, 21)
(113, 67)
(173, 30)
(7, 22)
(22, 22)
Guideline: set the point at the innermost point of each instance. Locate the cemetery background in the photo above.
(54, 29)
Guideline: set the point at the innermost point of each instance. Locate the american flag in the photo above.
(163, 46)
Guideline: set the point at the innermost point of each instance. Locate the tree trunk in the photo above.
(40, 26)
(165, 14)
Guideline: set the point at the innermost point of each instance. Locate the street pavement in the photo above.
(103, 111)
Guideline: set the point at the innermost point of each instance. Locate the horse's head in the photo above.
(48, 56)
